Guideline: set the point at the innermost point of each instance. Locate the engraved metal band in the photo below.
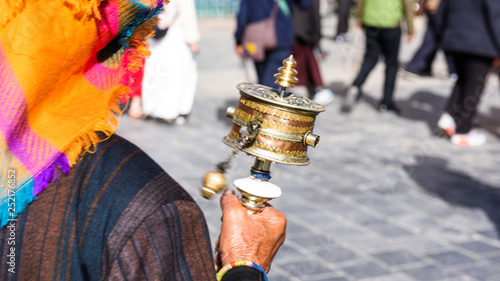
(276, 112)
(269, 132)
(272, 124)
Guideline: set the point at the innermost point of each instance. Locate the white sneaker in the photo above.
(447, 124)
(472, 138)
(323, 96)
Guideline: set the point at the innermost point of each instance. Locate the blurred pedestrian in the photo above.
(171, 73)
(380, 20)
(251, 11)
(470, 31)
(344, 13)
(307, 26)
(421, 63)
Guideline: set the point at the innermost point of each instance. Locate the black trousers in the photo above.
(267, 68)
(385, 42)
(421, 62)
(343, 13)
(468, 89)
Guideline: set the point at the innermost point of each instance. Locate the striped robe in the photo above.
(116, 216)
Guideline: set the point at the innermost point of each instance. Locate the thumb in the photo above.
(229, 200)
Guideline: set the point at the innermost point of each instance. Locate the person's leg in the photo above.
(390, 48)
(313, 67)
(463, 103)
(457, 91)
(372, 53)
(343, 20)
(421, 63)
(259, 69)
(269, 67)
(451, 65)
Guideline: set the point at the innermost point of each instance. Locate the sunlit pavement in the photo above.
(384, 198)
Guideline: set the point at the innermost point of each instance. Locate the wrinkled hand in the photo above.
(254, 237)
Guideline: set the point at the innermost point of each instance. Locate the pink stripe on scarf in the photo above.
(100, 76)
(33, 151)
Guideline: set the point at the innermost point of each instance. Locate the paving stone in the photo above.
(428, 273)
(371, 245)
(382, 206)
(342, 231)
(482, 272)
(479, 247)
(490, 233)
(313, 242)
(396, 258)
(304, 269)
(327, 278)
(387, 229)
(495, 259)
(365, 270)
(421, 245)
(277, 277)
(390, 277)
(451, 258)
(335, 254)
(287, 253)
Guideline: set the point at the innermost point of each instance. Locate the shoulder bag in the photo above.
(260, 36)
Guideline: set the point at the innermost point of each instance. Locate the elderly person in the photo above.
(103, 210)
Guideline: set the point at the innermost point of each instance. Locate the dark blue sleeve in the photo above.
(242, 19)
(493, 14)
(440, 19)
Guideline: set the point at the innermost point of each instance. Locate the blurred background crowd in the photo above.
(466, 32)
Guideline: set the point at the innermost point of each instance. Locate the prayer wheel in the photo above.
(273, 128)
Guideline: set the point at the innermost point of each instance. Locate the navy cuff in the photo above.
(243, 273)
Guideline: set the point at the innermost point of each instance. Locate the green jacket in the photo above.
(386, 13)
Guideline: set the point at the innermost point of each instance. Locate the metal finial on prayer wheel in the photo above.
(286, 74)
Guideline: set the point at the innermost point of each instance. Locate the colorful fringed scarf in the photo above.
(64, 65)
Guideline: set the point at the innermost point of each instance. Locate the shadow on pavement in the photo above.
(428, 106)
(337, 87)
(434, 177)
(423, 106)
(490, 122)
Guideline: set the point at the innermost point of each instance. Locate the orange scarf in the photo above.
(64, 65)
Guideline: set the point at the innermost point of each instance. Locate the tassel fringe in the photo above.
(102, 129)
(138, 49)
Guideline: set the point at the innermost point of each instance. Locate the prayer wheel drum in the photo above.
(272, 127)
(285, 124)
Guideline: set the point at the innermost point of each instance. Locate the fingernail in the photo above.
(228, 191)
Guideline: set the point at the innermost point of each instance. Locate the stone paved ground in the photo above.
(384, 197)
